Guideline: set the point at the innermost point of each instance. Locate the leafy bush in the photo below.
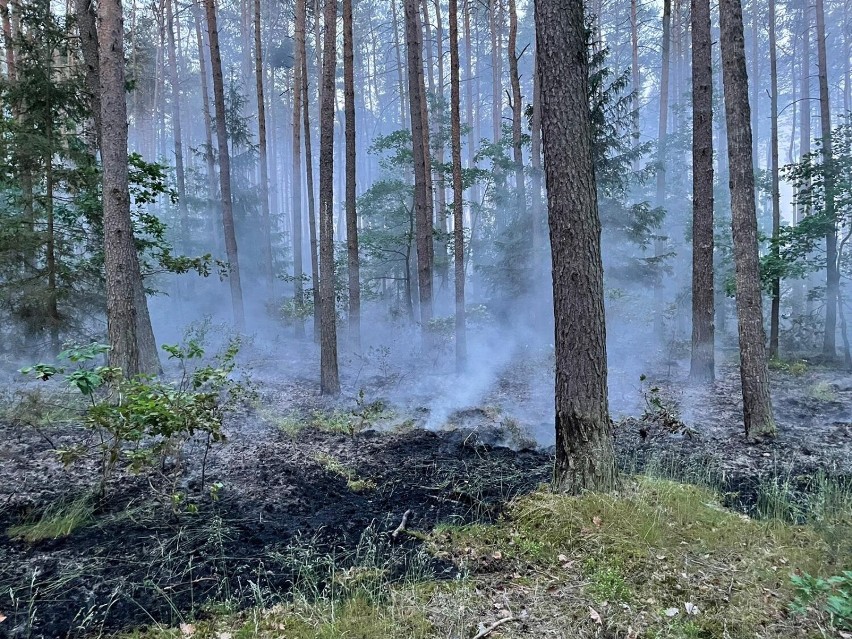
(144, 421)
(831, 597)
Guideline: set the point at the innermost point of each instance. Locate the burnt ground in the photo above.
(283, 514)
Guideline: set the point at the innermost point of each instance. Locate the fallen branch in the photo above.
(487, 631)
(403, 525)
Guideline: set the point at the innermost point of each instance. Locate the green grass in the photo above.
(659, 559)
(58, 520)
(333, 465)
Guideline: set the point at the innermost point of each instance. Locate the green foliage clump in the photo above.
(831, 596)
(145, 420)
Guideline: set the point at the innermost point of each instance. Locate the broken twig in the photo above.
(487, 631)
(403, 525)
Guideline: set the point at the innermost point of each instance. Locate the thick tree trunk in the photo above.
(9, 46)
(775, 313)
(121, 264)
(296, 187)
(177, 133)
(422, 170)
(458, 189)
(329, 377)
(351, 213)
(757, 407)
(84, 13)
(702, 367)
(584, 449)
(266, 231)
(225, 168)
(832, 273)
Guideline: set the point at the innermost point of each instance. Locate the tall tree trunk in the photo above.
(309, 177)
(754, 373)
(496, 80)
(458, 189)
(517, 109)
(266, 241)
(296, 188)
(775, 313)
(329, 377)
(176, 124)
(662, 143)
(84, 12)
(224, 168)
(351, 213)
(400, 68)
(635, 71)
(832, 273)
(538, 247)
(121, 264)
(584, 449)
(702, 367)
(419, 135)
(209, 159)
(442, 220)
(9, 43)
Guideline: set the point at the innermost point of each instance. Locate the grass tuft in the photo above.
(58, 520)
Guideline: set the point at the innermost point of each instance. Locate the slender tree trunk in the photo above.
(757, 407)
(584, 449)
(266, 241)
(209, 159)
(458, 189)
(309, 176)
(536, 207)
(442, 219)
(351, 213)
(8, 41)
(422, 195)
(517, 109)
(123, 278)
(400, 68)
(496, 83)
(224, 167)
(775, 313)
(702, 367)
(635, 72)
(176, 124)
(832, 273)
(329, 377)
(296, 188)
(662, 143)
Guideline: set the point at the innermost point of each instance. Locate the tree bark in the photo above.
(329, 377)
(702, 367)
(458, 189)
(177, 133)
(536, 177)
(84, 13)
(420, 149)
(584, 449)
(832, 273)
(266, 230)
(309, 177)
(296, 187)
(662, 143)
(775, 312)
(754, 373)
(351, 213)
(121, 263)
(9, 45)
(517, 109)
(224, 168)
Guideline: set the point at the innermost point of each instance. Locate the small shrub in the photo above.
(830, 597)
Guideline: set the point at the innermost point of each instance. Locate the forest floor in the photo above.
(295, 539)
